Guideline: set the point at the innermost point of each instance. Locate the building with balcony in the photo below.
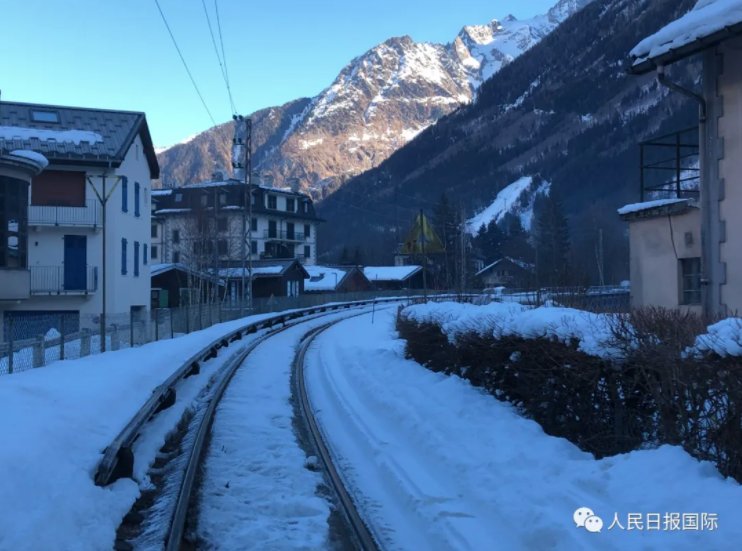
(95, 189)
(686, 236)
(207, 226)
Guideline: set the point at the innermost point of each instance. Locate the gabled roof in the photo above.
(75, 135)
(327, 278)
(390, 273)
(159, 269)
(527, 266)
(264, 268)
(707, 24)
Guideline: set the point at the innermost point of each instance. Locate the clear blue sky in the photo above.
(117, 54)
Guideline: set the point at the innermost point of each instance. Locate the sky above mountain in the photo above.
(119, 55)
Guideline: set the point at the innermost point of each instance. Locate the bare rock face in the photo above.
(379, 102)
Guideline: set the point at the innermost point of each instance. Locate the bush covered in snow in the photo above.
(609, 383)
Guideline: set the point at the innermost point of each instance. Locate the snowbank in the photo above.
(38, 158)
(723, 338)
(592, 332)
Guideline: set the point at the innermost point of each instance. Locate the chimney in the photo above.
(294, 183)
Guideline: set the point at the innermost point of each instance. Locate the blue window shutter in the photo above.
(136, 198)
(144, 255)
(123, 256)
(136, 258)
(124, 194)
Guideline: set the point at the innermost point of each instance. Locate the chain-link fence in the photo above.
(34, 339)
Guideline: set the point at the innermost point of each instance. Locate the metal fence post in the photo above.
(131, 328)
(84, 342)
(114, 337)
(61, 336)
(157, 324)
(39, 351)
(11, 348)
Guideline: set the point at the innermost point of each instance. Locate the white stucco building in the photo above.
(688, 253)
(93, 154)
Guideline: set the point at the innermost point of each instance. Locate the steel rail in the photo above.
(178, 520)
(361, 531)
(118, 457)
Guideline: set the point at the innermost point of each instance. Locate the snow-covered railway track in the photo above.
(360, 532)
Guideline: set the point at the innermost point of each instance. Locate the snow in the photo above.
(638, 207)
(517, 262)
(323, 278)
(723, 338)
(38, 158)
(257, 270)
(706, 18)
(592, 332)
(390, 273)
(65, 136)
(517, 198)
(255, 487)
(56, 421)
(434, 463)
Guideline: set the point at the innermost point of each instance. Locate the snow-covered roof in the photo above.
(646, 205)
(60, 133)
(324, 278)
(709, 22)
(390, 273)
(520, 263)
(171, 211)
(161, 192)
(38, 158)
(157, 269)
(257, 271)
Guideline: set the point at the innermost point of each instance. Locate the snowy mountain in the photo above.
(379, 102)
(516, 198)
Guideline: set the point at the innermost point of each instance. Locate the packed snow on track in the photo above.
(435, 463)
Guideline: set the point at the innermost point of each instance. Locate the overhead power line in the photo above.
(220, 57)
(180, 54)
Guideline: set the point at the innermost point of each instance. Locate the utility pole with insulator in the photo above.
(242, 164)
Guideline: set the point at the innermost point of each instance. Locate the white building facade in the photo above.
(209, 226)
(95, 157)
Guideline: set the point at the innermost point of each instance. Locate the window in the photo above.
(144, 254)
(176, 236)
(272, 229)
(307, 231)
(253, 247)
(178, 197)
(305, 207)
(154, 230)
(690, 280)
(290, 205)
(136, 199)
(221, 246)
(124, 195)
(154, 251)
(221, 224)
(13, 223)
(204, 200)
(290, 231)
(136, 258)
(254, 224)
(222, 199)
(123, 256)
(176, 257)
(307, 252)
(272, 203)
(45, 116)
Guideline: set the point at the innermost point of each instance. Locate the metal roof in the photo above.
(63, 134)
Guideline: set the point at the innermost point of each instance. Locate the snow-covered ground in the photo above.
(55, 423)
(516, 198)
(438, 464)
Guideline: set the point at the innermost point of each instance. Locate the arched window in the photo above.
(13, 223)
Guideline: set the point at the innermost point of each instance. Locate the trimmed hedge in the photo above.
(604, 407)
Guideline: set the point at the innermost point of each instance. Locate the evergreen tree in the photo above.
(446, 225)
(552, 241)
(515, 241)
(344, 257)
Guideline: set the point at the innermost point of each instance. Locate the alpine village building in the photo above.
(52, 221)
(685, 235)
(200, 227)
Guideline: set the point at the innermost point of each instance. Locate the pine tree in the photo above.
(552, 241)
